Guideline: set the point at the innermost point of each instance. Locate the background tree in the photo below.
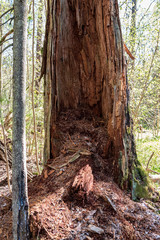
(144, 80)
(19, 171)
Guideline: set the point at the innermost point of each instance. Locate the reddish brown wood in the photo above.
(83, 183)
(83, 64)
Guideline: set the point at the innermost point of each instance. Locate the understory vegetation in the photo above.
(149, 154)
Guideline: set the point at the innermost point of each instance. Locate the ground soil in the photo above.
(62, 203)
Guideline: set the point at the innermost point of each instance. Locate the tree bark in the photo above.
(84, 66)
(19, 171)
(1, 84)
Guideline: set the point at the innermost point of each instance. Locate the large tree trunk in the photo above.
(83, 64)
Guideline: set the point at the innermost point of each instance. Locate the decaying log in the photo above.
(82, 185)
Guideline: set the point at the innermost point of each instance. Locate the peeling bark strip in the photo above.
(83, 63)
(19, 171)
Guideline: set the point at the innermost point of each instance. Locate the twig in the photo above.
(145, 14)
(10, 45)
(6, 35)
(11, 9)
(149, 160)
(6, 41)
(10, 19)
(147, 79)
(71, 139)
(150, 170)
(128, 52)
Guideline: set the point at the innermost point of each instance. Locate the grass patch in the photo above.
(145, 147)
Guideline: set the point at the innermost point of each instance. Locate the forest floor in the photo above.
(75, 197)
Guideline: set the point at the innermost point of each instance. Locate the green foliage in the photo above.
(143, 72)
(6, 80)
(141, 33)
(145, 147)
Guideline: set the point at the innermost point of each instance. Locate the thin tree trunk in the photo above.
(39, 43)
(133, 26)
(132, 38)
(158, 105)
(146, 83)
(33, 105)
(19, 171)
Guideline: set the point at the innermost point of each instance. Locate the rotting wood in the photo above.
(82, 185)
(84, 67)
(73, 158)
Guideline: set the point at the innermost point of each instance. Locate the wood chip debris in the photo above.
(95, 229)
(109, 201)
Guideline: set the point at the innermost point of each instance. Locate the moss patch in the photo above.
(141, 184)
